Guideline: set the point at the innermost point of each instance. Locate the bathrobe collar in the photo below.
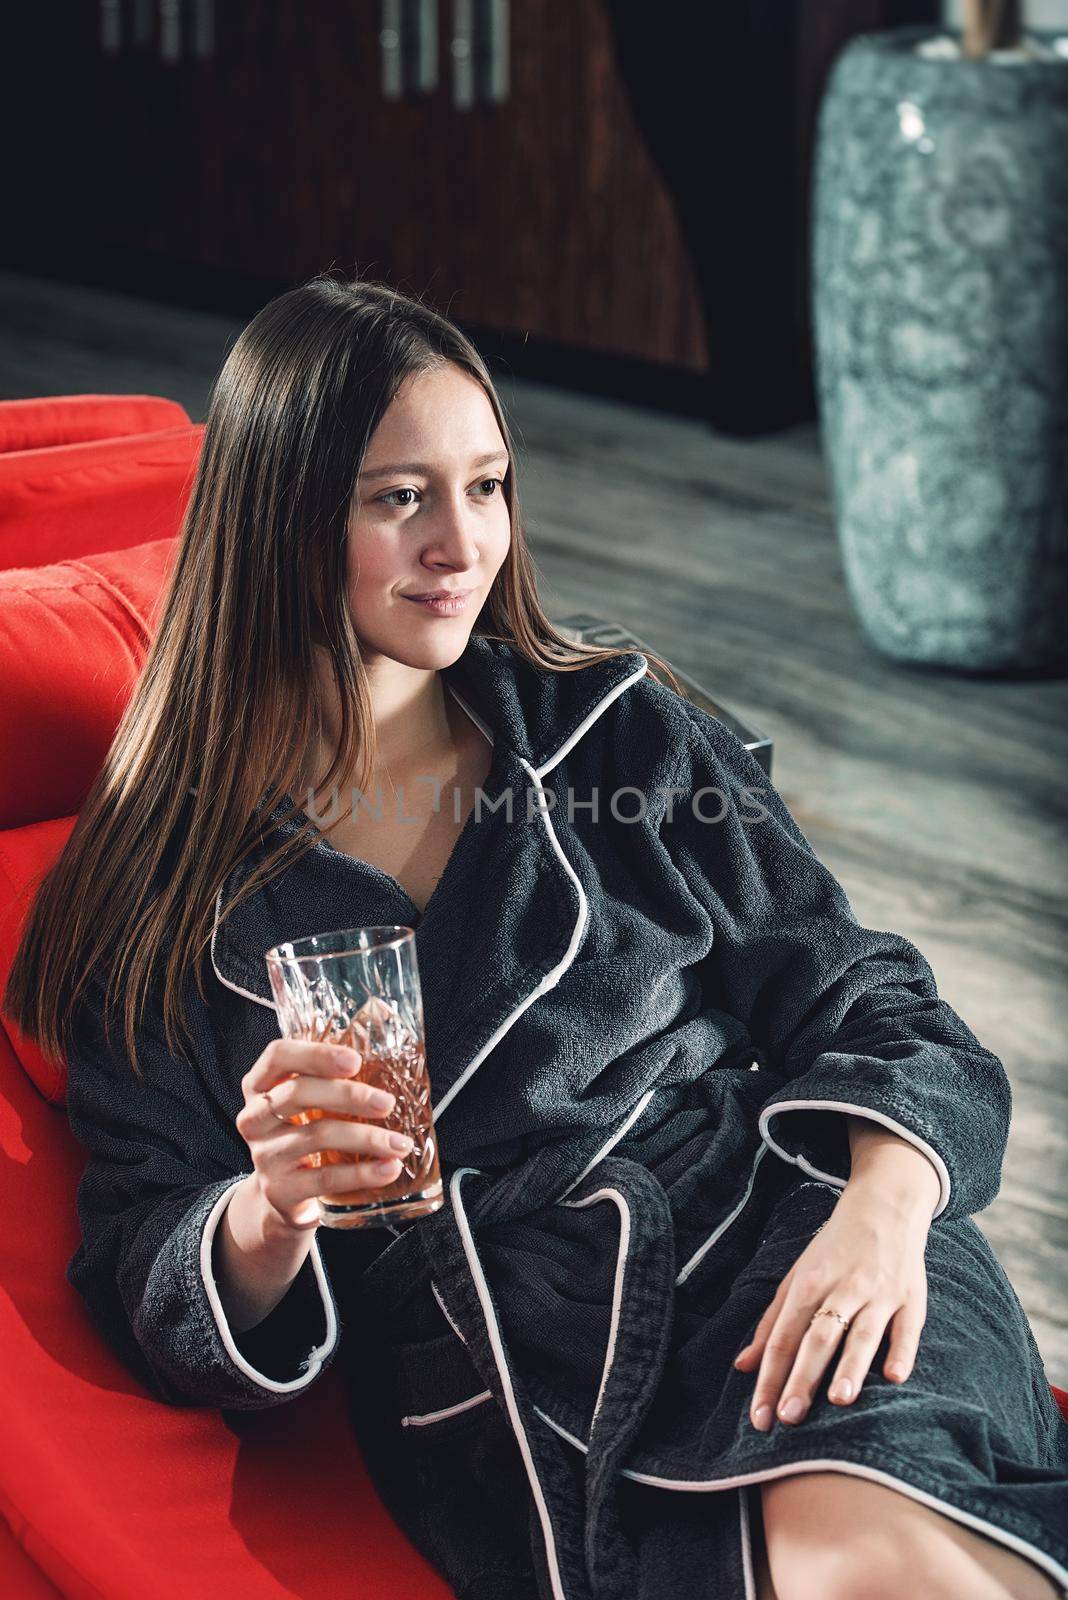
(538, 714)
(482, 956)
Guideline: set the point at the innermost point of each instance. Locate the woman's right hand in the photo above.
(304, 1076)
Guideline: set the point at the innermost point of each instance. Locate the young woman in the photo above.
(704, 1310)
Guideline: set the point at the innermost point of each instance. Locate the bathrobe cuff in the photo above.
(813, 1134)
(183, 1328)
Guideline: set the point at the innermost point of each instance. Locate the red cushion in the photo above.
(73, 418)
(73, 639)
(104, 494)
(114, 1494)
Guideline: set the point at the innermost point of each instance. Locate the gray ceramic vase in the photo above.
(941, 323)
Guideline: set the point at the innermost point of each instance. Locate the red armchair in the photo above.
(105, 1491)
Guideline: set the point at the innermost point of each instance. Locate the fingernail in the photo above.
(792, 1409)
(386, 1164)
(762, 1417)
(895, 1370)
(349, 1059)
(381, 1100)
(842, 1390)
(401, 1142)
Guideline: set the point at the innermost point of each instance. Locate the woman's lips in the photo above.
(450, 607)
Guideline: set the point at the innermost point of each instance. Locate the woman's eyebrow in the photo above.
(426, 471)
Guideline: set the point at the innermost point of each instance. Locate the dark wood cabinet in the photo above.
(277, 154)
(637, 196)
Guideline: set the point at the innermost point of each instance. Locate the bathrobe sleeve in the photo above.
(164, 1157)
(850, 1016)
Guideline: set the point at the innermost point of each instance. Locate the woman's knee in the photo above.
(811, 1551)
(831, 1536)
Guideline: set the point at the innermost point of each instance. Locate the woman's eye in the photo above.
(388, 498)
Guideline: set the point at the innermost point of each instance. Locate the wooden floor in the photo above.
(937, 800)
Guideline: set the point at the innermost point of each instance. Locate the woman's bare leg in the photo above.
(830, 1536)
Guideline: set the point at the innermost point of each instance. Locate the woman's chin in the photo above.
(423, 648)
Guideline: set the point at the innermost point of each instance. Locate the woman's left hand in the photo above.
(867, 1263)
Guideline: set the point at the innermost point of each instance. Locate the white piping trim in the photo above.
(247, 993)
(588, 721)
(421, 1419)
(631, 1118)
(620, 1203)
(829, 1464)
(445, 1312)
(550, 979)
(710, 1241)
(475, 718)
(497, 1347)
(571, 1438)
(316, 1357)
(859, 1111)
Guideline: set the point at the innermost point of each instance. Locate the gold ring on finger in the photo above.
(270, 1106)
(825, 1311)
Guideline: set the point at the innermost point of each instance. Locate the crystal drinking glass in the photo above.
(360, 987)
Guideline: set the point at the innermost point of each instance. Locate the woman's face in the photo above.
(429, 514)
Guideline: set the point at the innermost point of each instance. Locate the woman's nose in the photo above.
(455, 539)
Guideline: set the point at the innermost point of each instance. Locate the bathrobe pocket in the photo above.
(467, 1495)
(438, 1384)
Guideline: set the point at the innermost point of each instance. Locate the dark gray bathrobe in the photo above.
(648, 1008)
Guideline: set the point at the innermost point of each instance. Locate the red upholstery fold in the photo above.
(73, 639)
(73, 418)
(102, 494)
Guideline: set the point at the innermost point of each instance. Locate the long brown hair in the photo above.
(227, 704)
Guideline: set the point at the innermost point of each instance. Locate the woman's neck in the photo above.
(416, 726)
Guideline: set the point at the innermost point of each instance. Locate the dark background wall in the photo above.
(609, 194)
